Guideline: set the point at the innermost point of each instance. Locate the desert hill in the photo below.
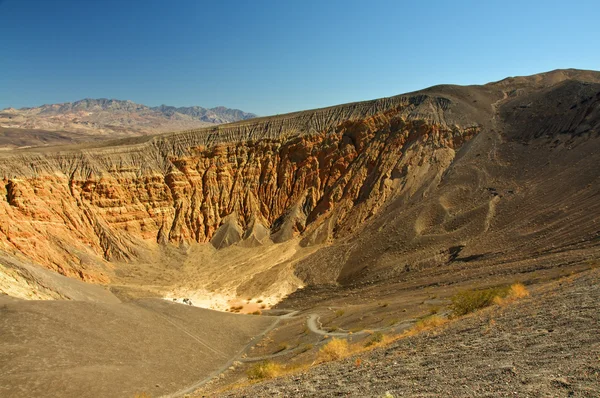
(101, 119)
(359, 216)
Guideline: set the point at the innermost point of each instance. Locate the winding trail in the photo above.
(236, 357)
(313, 323)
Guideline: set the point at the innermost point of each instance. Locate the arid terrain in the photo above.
(101, 119)
(356, 222)
(544, 346)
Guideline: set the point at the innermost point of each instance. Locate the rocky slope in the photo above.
(544, 346)
(94, 119)
(417, 175)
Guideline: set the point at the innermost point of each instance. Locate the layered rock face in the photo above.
(418, 174)
(77, 209)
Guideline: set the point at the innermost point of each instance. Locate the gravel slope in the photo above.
(547, 345)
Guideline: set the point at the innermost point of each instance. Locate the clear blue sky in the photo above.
(273, 57)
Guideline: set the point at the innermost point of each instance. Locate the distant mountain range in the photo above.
(94, 119)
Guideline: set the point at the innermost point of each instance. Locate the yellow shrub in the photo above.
(430, 322)
(334, 350)
(264, 370)
(518, 290)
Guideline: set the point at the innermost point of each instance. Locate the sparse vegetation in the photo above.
(516, 291)
(469, 301)
(429, 322)
(374, 339)
(491, 324)
(264, 370)
(472, 300)
(334, 350)
(257, 312)
(339, 313)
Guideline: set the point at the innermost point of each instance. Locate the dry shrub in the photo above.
(374, 339)
(490, 326)
(516, 291)
(334, 350)
(430, 322)
(264, 370)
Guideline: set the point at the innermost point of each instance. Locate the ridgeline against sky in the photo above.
(272, 57)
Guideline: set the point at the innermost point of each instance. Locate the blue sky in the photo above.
(272, 57)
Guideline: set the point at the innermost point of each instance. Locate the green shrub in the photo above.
(375, 338)
(469, 301)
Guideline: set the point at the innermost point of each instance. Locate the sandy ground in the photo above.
(91, 349)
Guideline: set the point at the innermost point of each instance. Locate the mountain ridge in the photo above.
(107, 103)
(100, 119)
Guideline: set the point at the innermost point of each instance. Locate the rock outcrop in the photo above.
(313, 175)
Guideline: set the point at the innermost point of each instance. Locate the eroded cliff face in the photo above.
(313, 175)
